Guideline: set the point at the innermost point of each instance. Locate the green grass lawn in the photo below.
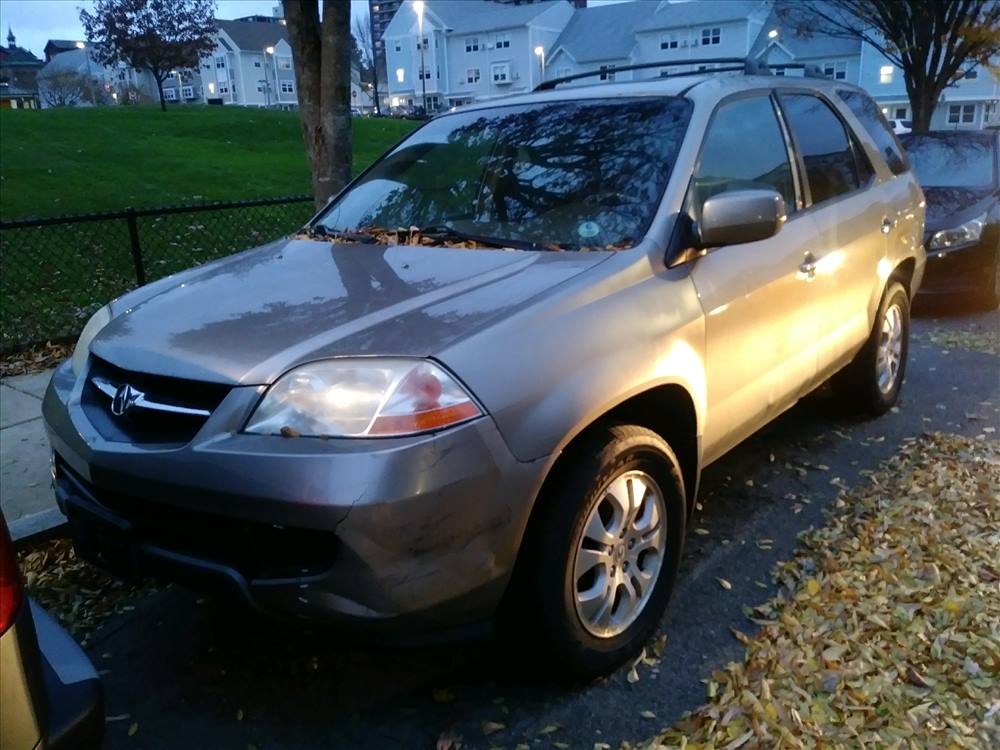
(63, 161)
(74, 161)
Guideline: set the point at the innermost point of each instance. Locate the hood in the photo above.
(950, 206)
(249, 318)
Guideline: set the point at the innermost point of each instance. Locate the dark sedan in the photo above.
(960, 174)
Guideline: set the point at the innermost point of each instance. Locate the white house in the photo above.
(472, 50)
(76, 78)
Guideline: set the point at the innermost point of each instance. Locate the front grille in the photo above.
(166, 410)
(257, 550)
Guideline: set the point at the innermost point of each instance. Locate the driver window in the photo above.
(744, 150)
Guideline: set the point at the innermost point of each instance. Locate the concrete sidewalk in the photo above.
(25, 483)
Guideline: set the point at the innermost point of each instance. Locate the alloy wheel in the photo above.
(890, 349)
(619, 554)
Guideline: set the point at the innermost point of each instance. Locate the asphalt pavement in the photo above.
(195, 672)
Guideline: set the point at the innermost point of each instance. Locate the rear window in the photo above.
(825, 147)
(875, 124)
(952, 159)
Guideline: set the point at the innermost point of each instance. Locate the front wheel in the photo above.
(872, 381)
(600, 559)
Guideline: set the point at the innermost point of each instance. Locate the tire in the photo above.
(989, 296)
(868, 383)
(544, 607)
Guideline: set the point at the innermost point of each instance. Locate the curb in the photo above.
(38, 527)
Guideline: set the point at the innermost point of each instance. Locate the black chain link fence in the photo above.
(54, 273)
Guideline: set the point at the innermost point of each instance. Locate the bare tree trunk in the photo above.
(159, 90)
(322, 56)
(923, 95)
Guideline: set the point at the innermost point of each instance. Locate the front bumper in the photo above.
(416, 531)
(963, 270)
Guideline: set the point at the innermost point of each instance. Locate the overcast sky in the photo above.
(36, 21)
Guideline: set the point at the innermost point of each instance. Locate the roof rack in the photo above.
(746, 65)
(808, 71)
(743, 65)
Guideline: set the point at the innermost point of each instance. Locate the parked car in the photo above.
(50, 695)
(502, 409)
(901, 126)
(960, 174)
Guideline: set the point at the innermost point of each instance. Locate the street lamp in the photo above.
(90, 83)
(418, 8)
(772, 34)
(540, 51)
(267, 85)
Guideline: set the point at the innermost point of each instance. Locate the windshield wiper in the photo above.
(446, 232)
(320, 232)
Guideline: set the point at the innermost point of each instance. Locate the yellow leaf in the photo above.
(812, 587)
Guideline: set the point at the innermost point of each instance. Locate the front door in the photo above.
(760, 329)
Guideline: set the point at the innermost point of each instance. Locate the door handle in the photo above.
(808, 266)
(887, 225)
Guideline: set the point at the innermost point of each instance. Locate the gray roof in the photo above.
(254, 35)
(61, 43)
(695, 12)
(467, 16)
(603, 32)
(17, 56)
(804, 47)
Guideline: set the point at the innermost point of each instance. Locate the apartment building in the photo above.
(470, 50)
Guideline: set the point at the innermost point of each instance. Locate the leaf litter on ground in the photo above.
(887, 630)
(80, 595)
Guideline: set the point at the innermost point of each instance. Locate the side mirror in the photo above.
(740, 216)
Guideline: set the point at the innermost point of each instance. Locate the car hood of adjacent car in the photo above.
(249, 318)
(950, 206)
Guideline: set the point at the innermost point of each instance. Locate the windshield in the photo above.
(556, 175)
(952, 160)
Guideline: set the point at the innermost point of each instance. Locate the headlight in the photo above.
(97, 321)
(363, 397)
(963, 234)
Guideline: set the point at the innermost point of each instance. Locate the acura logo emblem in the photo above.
(125, 398)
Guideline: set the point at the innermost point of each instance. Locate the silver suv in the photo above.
(483, 381)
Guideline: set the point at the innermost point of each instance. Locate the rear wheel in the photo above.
(872, 381)
(600, 559)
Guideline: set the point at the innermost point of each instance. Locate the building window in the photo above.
(220, 62)
(885, 74)
(670, 41)
(503, 41)
(971, 73)
(256, 63)
(836, 70)
(563, 72)
(711, 36)
(964, 113)
(211, 87)
(223, 88)
(187, 92)
(397, 46)
(171, 95)
(472, 75)
(472, 44)
(287, 87)
(607, 72)
(501, 73)
(424, 74)
(900, 113)
(425, 43)
(285, 63)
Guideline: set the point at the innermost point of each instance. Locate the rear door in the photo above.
(760, 334)
(851, 218)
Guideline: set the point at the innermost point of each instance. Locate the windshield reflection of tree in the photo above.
(567, 173)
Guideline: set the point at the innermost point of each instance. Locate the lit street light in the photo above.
(90, 83)
(540, 51)
(267, 85)
(418, 8)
